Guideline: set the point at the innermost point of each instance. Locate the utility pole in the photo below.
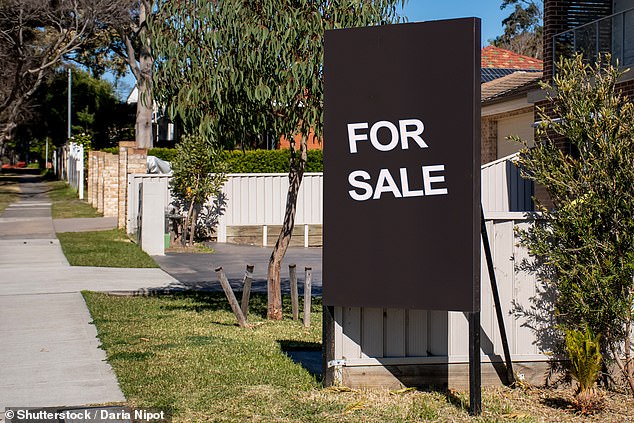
(70, 83)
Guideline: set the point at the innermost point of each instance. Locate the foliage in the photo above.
(585, 367)
(523, 28)
(95, 111)
(246, 67)
(585, 243)
(269, 161)
(254, 161)
(585, 357)
(110, 248)
(111, 150)
(163, 153)
(197, 175)
(37, 36)
(237, 69)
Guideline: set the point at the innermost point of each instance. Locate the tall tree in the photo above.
(132, 43)
(36, 36)
(237, 68)
(96, 110)
(523, 28)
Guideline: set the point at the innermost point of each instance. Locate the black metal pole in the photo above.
(510, 375)
(475, 380)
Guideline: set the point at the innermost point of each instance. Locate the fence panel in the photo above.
(133, 203)
(444, 335)
(503, 189)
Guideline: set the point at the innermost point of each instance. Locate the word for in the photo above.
(365, 187)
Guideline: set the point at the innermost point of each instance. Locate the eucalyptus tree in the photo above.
(237, 68)
(523, 28)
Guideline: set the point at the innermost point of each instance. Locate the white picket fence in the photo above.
(69, 165)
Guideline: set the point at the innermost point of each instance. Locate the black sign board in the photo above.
(402, 166)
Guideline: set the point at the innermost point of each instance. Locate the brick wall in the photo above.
(489, 139)
(489, 133)
(131, 160)
(108, 178)
(554, 23)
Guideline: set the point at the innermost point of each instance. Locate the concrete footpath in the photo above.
(49, 351)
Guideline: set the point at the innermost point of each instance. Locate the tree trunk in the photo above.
(192, 228)
(141, 62)
(298, 164)
(143, 126)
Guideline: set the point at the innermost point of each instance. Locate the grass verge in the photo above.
(185, 354)
(9, 192)
(110, 248)
(66, 204)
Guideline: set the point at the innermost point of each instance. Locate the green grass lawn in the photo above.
(8, 193)
(186, 355)
(110, 248)
(66, 204)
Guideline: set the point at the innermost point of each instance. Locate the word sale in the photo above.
(430, 178)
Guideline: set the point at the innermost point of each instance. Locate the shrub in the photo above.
(163, 153)
(585, 367)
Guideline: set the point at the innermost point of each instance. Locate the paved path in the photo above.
(49, 352)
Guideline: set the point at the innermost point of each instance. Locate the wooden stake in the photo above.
(307, 295)
(246, 290)
(292, 274)
(242, 321)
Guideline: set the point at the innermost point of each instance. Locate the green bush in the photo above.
(111, 150)
(253, 161)
(269, 161)
(163, 153)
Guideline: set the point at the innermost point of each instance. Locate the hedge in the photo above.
(254, 161)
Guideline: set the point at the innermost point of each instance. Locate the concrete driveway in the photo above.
(197, 270)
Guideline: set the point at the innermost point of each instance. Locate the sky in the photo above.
(419, 11)
(487, 10)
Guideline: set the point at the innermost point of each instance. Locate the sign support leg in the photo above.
(510, 375)
(475, 380)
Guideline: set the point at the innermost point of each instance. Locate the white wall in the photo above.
(519, 125)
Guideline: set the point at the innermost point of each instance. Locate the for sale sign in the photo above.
(402, 166)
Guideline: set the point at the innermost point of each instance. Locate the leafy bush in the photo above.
(585, 366)
(269, 161)
(111, 150)
(163, 153)
(253, 161)
(584, 244)
(197, 175)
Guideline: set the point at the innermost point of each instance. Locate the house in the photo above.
(507, 79)
(592, 28)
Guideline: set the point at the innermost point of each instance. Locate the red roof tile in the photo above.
(495, 57)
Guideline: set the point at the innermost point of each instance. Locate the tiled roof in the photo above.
(489, 74)
(507, 84)
(494, 57)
